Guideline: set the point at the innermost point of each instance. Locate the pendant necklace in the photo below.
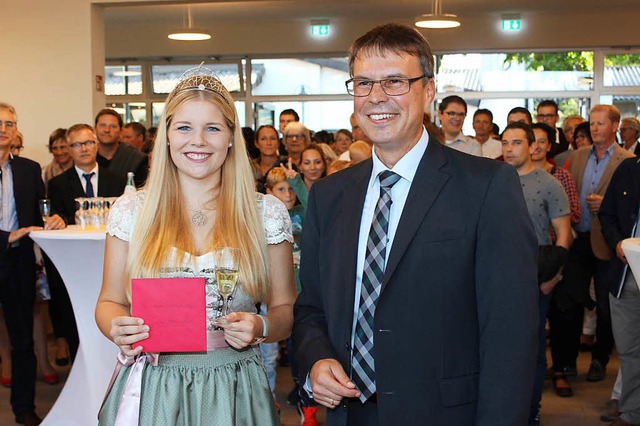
(198, 217)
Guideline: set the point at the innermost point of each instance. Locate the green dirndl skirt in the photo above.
(222, 387)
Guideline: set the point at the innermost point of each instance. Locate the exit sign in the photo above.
(511, 25)
(320, 30)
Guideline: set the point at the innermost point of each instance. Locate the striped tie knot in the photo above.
(388, 179)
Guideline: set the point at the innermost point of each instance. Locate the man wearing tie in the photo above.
(418, 274)
(86, 178)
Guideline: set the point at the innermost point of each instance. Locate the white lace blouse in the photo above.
(277, 227)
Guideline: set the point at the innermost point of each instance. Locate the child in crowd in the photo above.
(278, 186)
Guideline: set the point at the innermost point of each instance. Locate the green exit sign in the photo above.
(320, 30)
(511, 25)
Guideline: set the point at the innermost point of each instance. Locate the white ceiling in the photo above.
(308, 9)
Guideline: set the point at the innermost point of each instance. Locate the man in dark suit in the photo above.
(547, 113)
(20, 189)
(419, 281)
(619, 218)
(86, 178)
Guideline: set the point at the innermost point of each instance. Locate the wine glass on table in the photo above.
(227, 262)
(45, 209)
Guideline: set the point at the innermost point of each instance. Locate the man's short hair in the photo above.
(109, 111)
(570, 118)
(548, 103)
(633, 123)
(77, 128)
(612, 112)
(551, 132)
(8, 107)
(137, 128)
(485, 112)
(452, 99)
(394, 38)
(290, 111)
(519, 125)
(521, 110)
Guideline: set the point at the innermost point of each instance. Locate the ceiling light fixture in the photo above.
(190, 33)
(437, 19)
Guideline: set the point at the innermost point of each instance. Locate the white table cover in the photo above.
(79, 257)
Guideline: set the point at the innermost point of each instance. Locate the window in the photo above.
(622, 70)
(308, 76)
(166, 77)
(316, 115)
(123, 80)
(133, 111)
(514, 72)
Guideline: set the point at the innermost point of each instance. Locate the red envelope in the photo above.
(175, 311)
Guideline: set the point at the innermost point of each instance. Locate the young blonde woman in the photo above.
(199, 196)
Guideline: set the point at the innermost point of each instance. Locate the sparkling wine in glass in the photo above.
(227, 262)
(45, 209)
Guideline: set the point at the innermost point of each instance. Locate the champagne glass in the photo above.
(45, 209)
(227, 262)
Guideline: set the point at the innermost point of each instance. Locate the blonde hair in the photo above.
(163, 222)
(275, 176)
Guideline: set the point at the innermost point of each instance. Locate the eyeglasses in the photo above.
(59, 148)
(8, 124)
(391, 86)
(16, 147)
(77, 145)
(296, 137)
(546, 115)
(452, 114)
(624, 129)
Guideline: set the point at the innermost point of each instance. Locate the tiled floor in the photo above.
(581, 410)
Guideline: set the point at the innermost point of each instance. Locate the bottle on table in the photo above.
(131, 186)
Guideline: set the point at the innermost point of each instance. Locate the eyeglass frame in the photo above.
(410, 81)
(18, 147)
(296, 136)
(8, 124)
(79, 145)
(453, 114)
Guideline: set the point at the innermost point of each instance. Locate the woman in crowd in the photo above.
(199, 196)
(344, 138)
(266, 140)
(62, 161)
(296, 137)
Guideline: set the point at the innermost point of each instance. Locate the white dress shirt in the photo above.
(94, 179)
(492, 148)
(406, 168)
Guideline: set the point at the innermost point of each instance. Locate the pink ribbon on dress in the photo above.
(129, 408)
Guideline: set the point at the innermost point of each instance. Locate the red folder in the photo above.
(175, 311)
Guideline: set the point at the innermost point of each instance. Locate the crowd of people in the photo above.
(424, 235)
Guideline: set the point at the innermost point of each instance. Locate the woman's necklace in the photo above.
(199, 216)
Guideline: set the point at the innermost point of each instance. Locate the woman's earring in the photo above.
(230, 145)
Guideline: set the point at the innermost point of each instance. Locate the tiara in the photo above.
(200, 78)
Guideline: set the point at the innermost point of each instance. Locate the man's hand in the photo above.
(330, 383)
(593, 202)
(21, 233)
(54, 222)
(620, 253)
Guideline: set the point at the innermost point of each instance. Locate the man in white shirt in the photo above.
(483, 126)
(452, 112)
(411, 308)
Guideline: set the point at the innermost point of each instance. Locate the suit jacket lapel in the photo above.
(75, 184)
(614, 161)
(581, 164)
(426, 186)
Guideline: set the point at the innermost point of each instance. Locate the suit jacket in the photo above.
(577, 164)
(28, 188)
(456, 321)
(65, 188)
(561, 145)
(618, 214)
